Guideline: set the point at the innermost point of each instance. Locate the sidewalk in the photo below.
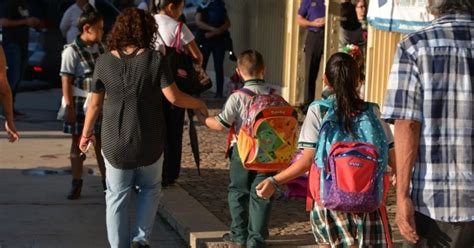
(289, 225)
(39, 216)
(34, 211)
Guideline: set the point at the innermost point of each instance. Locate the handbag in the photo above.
(189, 77)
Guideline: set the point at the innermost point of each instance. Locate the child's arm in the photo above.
(266, 188)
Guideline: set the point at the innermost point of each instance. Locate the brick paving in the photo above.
(210, 189)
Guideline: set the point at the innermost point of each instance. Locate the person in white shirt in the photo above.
(68, 25)
(167, 13)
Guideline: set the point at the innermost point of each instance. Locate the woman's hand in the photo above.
(85, 141)
(265, 189)
(202, 109)
(201, 118)
(11, 131)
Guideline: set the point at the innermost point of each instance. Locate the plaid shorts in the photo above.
(341, 229)
(76, 128)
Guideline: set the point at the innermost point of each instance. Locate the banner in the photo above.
(403, 16)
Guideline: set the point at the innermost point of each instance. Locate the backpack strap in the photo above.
(86, 57)
(247, 92)
(176, 43)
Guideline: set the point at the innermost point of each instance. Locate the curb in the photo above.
(192, 221)
(201, 229)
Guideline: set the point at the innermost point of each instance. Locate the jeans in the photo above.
(118, 198)
(434, 233)
(16, 62)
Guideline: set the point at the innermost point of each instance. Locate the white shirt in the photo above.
(167, 28)
(68, 25)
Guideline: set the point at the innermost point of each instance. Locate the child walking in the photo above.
(333, 228)
(77, 67)
(250, 213)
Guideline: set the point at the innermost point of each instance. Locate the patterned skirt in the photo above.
(76, 128)
(341, 229)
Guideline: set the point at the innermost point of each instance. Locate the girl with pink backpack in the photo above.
(338, 184)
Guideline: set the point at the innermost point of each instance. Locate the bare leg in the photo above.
(76, 165)
(76, 162)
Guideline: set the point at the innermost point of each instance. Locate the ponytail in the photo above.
(342, 73)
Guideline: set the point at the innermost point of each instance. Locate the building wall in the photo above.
(381, 47)
(270, 27)
(260, 25)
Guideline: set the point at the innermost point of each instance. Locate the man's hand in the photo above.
(11, 131)
(32, 22)
(319, 22)
(405, 219)
(209, 35)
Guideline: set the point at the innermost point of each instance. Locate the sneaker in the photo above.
(230, 243)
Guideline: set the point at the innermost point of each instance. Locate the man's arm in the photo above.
(203, 25)
(407, 140)
(7, 99)
(319, 22)
(9, 23)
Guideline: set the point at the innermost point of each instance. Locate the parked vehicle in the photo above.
(46, 43)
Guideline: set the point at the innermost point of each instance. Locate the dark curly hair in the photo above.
(133, 27)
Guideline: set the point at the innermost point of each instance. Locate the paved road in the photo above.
(34, 211)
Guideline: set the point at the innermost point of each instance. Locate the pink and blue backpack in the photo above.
(350, 171)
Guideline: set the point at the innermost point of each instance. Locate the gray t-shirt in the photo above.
(71, 63)
(312, 123)
(234, 108)
(133, 125)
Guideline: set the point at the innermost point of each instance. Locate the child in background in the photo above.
(336, 228)
(250, 214)
(235, 83)
(77, 67)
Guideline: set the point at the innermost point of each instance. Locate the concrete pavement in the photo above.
(34, 211)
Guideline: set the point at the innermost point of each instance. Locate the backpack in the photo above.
(298, 187)
(267, 138)
(350, 172)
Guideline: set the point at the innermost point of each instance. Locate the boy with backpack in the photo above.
(351, 150)
(254, 109)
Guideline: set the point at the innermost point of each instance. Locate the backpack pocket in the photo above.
(271, 145)
(354, 172)
(351, 184)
